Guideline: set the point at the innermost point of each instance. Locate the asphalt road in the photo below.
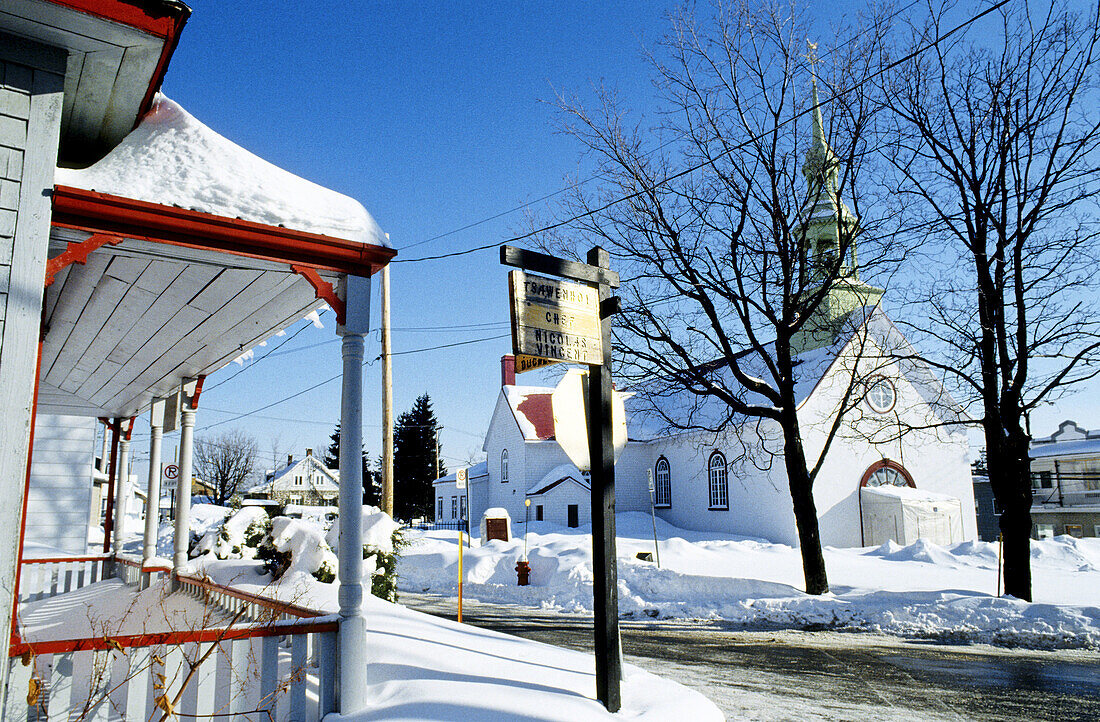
(801, 675)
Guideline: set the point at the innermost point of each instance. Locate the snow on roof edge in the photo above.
(173, 159)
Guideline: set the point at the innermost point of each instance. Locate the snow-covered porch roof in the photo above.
(176, 253)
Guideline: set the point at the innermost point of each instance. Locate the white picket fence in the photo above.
(285, 671)
(41, 578)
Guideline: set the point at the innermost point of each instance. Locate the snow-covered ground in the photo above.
(919, 590)
(425, 668)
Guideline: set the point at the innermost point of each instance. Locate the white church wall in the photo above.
(759, 503)
(503, 433)
(631, 477)
(555, 504)
(936, 459)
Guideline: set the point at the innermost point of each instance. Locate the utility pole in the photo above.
(387, 398)
(437, 430)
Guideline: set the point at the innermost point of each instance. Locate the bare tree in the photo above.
(996, 151)
(224, 461)
(736, 249)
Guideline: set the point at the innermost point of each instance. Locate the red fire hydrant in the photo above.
(523, 570)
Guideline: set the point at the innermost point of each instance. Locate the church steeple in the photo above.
(825, 215)
(827, 222)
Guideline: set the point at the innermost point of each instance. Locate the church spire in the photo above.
(828, 224)
(826, 216)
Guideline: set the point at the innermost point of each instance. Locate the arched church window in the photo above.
(881, 396)
(887, 473)
(504, 467)
(662, 491)
(719, 486)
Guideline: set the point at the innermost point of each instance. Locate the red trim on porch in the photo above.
(26, 493)
(64, 646)
(272, 604)
(104, 213)
(198, 392)
(323, 289)
(108, 521)
(139, 15)
(63, 560)
(78, 253)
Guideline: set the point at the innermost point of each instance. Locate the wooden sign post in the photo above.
(564, 321)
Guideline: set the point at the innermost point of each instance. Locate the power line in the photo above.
(698, 166)
(333, 378)
(597, 176)
(244, 368)
(450, 345)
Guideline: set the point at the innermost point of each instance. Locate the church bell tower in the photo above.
(829, 228)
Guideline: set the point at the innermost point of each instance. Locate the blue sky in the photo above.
(433, 116)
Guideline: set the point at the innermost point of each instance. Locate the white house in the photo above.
(451, 502)
(1065, 480)
(307, 482)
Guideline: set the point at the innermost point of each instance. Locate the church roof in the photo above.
(810, 367)
(559, 475)
(532, 410)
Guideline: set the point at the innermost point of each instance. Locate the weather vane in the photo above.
(811, 53)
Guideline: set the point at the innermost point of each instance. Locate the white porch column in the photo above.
(352, 635)
(152, 489)
(183, 489)
(122, 492)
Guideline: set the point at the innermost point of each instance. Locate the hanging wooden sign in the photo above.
(555, 319)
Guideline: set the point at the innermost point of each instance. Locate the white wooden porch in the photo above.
(95, 648)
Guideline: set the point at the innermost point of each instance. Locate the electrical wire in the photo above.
(698, 166)
(598, 176)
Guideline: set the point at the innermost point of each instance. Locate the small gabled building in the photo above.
(305, 482)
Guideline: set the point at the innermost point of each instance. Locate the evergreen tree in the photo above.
(372, 481)
(414, 460)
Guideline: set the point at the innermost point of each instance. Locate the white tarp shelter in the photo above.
(905, 514)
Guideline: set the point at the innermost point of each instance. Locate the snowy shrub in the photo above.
(300, 547)
(275, 562)
(325, 573)
(231, 539)
(384, 577)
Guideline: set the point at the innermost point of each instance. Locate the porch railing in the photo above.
(250, 607)
(50, 576)
(262, 673)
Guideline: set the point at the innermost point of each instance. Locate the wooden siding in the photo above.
(61, 482)
(31, 84)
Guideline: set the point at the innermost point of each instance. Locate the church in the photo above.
(893, 470)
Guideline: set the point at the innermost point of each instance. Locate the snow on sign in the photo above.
(555, 319)
(571, 422)
(169, 473)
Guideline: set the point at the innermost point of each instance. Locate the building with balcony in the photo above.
(1065, 481)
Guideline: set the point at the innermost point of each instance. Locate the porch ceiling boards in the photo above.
(139, 316)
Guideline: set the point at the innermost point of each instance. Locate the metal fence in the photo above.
(426, 525)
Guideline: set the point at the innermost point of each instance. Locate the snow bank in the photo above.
(173, 159)
(922, 590)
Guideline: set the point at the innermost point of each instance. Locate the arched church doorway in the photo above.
(882, 473)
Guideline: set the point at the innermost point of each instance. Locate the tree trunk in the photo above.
(1010, 480)
(805, 512)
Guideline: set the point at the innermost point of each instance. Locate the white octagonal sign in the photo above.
(571, 419)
